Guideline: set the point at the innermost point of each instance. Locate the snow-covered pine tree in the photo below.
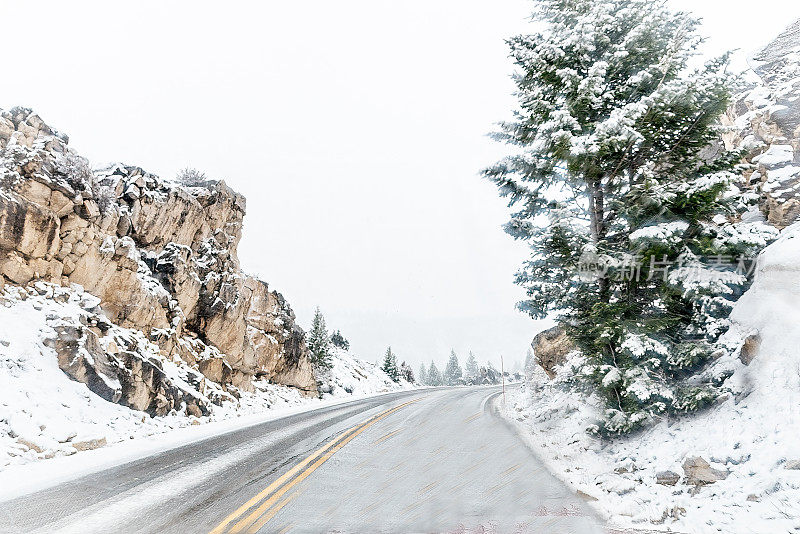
(340, 341)
(471, 367)
(406, 373)
(452, 371)
(319, 344)
(390, 365)
(617, 175)
(434, 376)
(530, 362)
(422, 377)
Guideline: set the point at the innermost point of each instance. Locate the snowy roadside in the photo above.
(620, 479)
(733, 468)
(22, 479)
(53, 428)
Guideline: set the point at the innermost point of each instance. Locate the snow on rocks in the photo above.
(765, 123)
(64, 390)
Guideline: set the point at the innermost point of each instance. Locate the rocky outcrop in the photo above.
(161, 257)
(765, 122)
(550, 348)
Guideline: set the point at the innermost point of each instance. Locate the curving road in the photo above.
(418, 461)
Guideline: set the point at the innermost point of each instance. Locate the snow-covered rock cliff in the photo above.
(160, 257)
(131, 285)
(124, 311)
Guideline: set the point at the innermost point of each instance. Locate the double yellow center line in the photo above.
(263, 506)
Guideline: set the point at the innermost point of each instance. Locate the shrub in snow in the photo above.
(625, 207)
(406, 373)
(77, 172)
(339, 341)
(190, 176)
(106, 199)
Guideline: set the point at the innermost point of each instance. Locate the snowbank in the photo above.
(752, 434)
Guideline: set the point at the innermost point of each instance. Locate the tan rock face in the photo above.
(28, 228)
(160, 256)
(550, 348)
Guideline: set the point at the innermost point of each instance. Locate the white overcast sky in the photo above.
(355, 128)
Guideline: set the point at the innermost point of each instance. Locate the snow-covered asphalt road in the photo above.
(416, 461)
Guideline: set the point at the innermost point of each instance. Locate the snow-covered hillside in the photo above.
(749, 440)
(45, 414)
(350, 376)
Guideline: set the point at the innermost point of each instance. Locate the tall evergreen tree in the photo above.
(390, 365)
(422, 377)
(622, 200)
(452, 372)
(319, 344)
(530, 362)
(434, 376)
(406, 373)
(471, 367)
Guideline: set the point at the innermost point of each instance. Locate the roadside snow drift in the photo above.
(749, 441)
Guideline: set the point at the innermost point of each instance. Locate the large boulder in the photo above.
(27, 228)
(126, 377)
(550, 348)
(698, 472)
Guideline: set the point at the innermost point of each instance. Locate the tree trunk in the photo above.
(598, 227)
(596, 210)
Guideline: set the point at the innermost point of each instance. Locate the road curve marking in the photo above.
(266, 505)
(269, 489)
(263, 521)
(511, 469)
(386, 436)
(486, 399)
(471, 418)
(302, 476)
(326, 451)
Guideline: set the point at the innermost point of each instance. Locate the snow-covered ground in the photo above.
(44, 414)
(752, 434)
(350, 376)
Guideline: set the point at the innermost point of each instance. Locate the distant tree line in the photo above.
(321, 345)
